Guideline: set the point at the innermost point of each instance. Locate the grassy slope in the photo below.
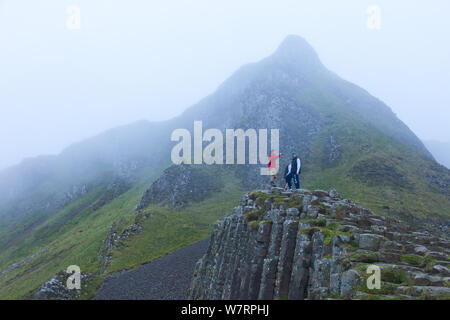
(413, 199)
(171, 229)
(374, 169)
(78, 241)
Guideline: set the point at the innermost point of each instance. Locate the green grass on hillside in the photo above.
(170, 229)
(79, 240)
(376, 171)
(76, 242)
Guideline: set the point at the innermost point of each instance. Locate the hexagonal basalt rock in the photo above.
(301, 253)
(368, 241)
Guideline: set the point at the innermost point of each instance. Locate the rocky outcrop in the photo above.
(180, 184)
(316, 245)
(334, 151)
(56, 288)
(22, 262)
(113, 190)
(116, 236)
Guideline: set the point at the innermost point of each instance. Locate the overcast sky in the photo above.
(146, 59)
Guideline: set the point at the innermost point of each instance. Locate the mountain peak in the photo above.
(295, 49)
(294, 42)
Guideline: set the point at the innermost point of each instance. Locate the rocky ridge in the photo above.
(316, 245)
(56, 288)
(180, 184)
(116, 236)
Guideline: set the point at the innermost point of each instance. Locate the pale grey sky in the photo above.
(135, 60)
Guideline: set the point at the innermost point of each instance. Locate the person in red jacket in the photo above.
(273, 166)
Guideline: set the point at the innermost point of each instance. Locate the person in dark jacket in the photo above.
(296, 169)
(288, 177)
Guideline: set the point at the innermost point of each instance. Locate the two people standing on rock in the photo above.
(292, 170)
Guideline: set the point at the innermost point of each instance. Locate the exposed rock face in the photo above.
(315, 245)
(180, 184)
(21, 263)
(116, 235)
(333, 149)
(113, 190)
(56, 288)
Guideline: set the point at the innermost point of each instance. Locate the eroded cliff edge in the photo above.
(316, 245)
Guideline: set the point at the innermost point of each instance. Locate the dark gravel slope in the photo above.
(166, 278)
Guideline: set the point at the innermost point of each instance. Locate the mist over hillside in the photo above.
(440, 150)
(96, 200)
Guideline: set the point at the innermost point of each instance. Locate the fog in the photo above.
(133, 60)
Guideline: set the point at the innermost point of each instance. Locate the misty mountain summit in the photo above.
(295, 52)
(85, 198)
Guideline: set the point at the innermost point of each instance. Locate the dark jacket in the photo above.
(296, 165)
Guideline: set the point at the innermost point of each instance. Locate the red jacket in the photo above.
(272, 162)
